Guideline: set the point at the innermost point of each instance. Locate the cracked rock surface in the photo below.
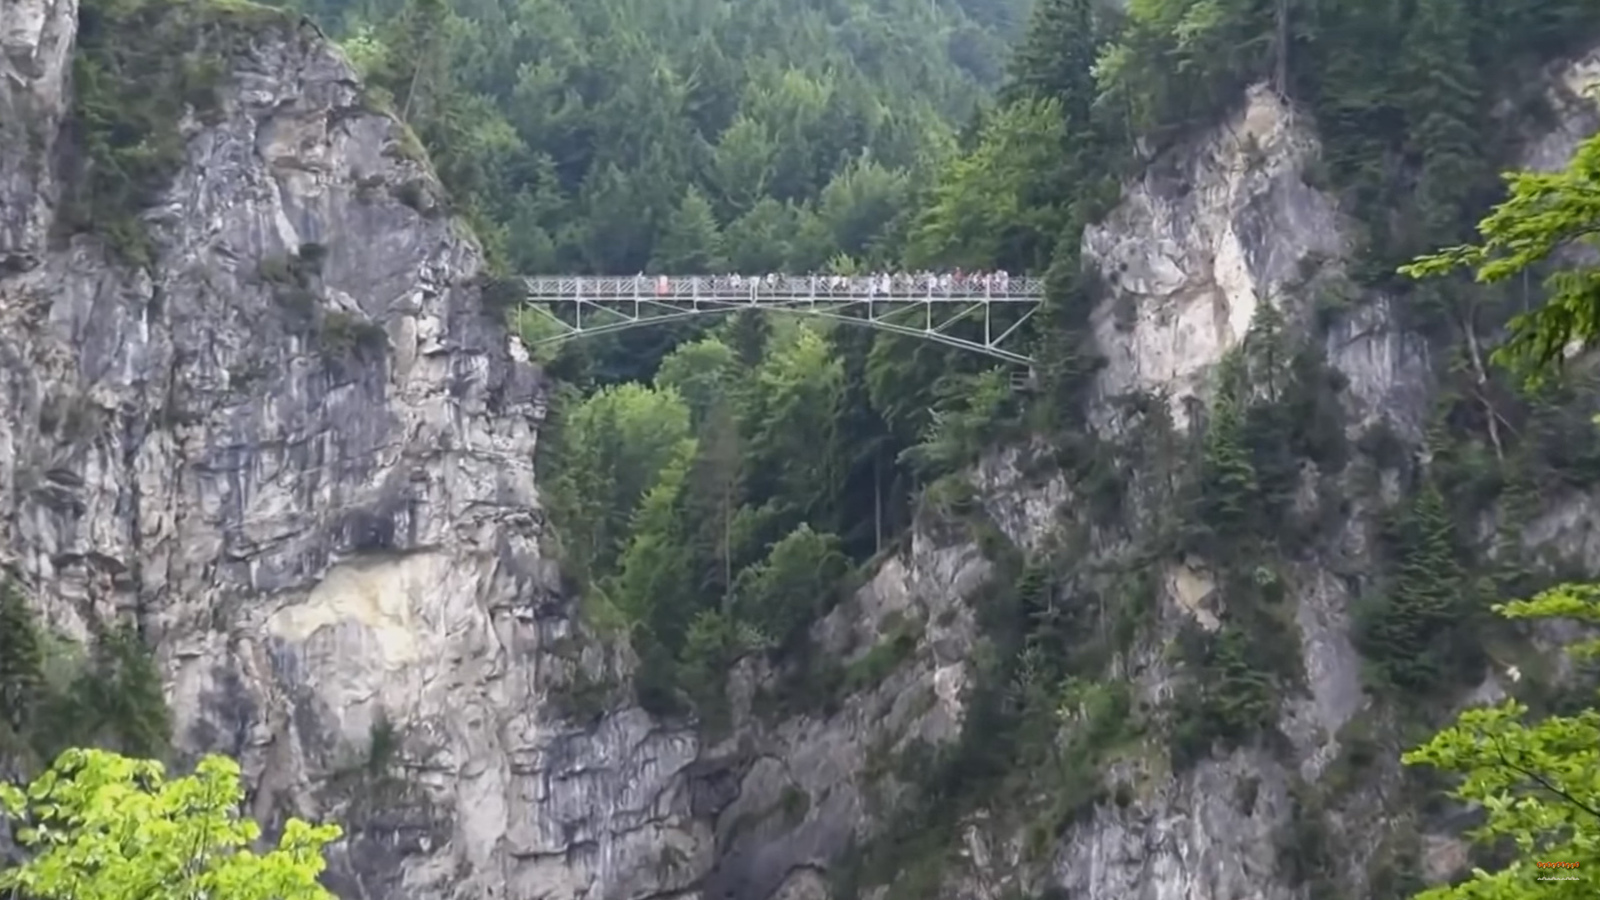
(320, 534)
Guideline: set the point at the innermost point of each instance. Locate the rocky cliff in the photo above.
(296, 447)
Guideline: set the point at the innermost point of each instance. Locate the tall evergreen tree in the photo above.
(1056, 58)
(1228, 483)
(714, 497)
(1409, 633)
(120, 696)
(21, 659)
(1443, 113)
(690, 241)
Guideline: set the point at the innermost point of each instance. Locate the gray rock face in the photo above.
(1205, 236)
(299, 448)
(35, 55)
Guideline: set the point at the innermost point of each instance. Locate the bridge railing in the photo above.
(783, 288)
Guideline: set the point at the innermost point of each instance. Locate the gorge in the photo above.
(276, 419)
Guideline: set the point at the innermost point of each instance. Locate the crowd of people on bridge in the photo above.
(881, 284)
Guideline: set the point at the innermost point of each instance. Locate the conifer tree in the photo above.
(714, 498)
(1056, 57)
(117, 699)
(1442, 110)
(1228, 478)
(1409, 633)
(691, 241)
(21, 659)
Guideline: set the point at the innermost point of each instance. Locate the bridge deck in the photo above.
(781, 290)
(974, 314)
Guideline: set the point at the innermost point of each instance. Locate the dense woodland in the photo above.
(715, 489)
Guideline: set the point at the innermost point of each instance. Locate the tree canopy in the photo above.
(1538, 783)
(101, 826)
(1548, 216)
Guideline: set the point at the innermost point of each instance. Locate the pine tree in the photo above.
(1228, 483)
(1056, 58)
(21, 659)
(714, 497)
(121, 695)
(1442, 110)
(416, 69)
(1409, 635)
(747, 334)
(690, 242)
(1266, 351)
(1239, 696)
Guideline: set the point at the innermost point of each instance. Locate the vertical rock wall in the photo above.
(299, 451)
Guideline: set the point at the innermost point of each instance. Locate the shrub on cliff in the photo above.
(53, 695)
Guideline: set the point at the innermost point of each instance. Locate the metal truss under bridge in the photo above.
(978, 315)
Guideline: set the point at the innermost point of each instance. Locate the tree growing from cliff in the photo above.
(116, 700)
(21, 661)
(1227, 482)
(1539, 784)
(1410, 631)
(101, 826)
(1544, 214)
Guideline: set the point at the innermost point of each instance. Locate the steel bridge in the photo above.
(940, 310)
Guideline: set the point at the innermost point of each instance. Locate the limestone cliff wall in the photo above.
(318, 533)
(1213, 230)
(1204, 237)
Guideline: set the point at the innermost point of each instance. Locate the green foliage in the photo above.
(796, 583)
(715, 642)
(117, 701)
(100, 826)
(688, 508)
(1045, 717)
(51, 697)
(792, 416)
(1228, 479)
(21, 662)
(963, 422)
(1229, 700)
(1538, 784)
(754, 136)
(1276, 407)
(1420, 632)
(898, 645)
(1546, 212)
(987, 204)
(610, 452)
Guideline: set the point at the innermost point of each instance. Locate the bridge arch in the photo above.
(581, 306)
